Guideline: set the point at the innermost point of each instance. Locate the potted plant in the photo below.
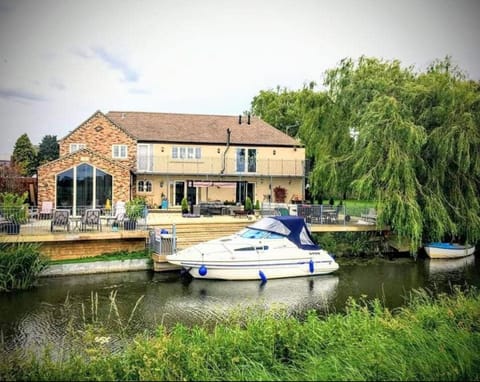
(133, 210)
(280, 194)
(257, 208)
(184, 206)
(14, 210)
(248, 205)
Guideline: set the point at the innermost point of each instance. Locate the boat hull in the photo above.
(448, 250)
(261, 270)
(272, 248)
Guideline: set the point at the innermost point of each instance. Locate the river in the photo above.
(133, 302)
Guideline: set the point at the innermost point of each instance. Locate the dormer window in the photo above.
(76, 146)
(119, 152)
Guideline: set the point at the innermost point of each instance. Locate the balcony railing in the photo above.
(216, 165)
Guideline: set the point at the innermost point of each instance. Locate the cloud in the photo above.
(57, 84)
(139, 91)
(129, 74)
(20, 95)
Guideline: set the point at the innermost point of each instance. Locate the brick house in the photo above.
(165, 157)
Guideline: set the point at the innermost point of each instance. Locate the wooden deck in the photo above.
(189, 231)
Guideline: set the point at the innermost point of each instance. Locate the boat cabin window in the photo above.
(249, 233)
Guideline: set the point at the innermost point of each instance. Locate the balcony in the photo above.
(216, 166)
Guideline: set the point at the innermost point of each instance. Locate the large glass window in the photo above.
(65, 189)
(145, 157)
(252, 160)
(84, 181)
(103, 188)
(83, 187)
(240, 160)
(248, 158)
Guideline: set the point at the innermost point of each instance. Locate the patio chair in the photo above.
(60, 218)
(91, 219)
(120, 211)
(46, 210)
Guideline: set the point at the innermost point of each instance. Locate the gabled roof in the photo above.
(198, 128)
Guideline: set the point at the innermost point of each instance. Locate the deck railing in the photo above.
(32, 221)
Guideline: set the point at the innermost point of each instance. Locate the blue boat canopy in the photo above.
(293, 227)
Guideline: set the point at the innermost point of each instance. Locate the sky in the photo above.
(61, 61)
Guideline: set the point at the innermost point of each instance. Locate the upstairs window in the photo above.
(246, 160)
(76, 146)
(119, 152)
(183, 152)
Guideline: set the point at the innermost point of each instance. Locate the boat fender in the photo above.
(311, 266)
(262, 276)
(202, 271)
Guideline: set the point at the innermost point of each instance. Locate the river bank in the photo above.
(97, 267)
(432, 338)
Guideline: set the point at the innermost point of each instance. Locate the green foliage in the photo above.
(134, 208)
(248, 205)
(25, 156)
(407, 140)
(287, 109)
(432, 338)
(184, 206)
(20, 265)
(257, 205)
(48, 149)
(13, 207)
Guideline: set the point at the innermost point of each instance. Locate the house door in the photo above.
(179, 192)
(244, 189)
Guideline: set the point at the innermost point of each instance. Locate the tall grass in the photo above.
(431, 338)
(20, 265)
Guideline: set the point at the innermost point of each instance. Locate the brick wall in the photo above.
(99, 134)
(61, 250)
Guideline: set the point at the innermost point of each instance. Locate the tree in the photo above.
(286, 109)
(408, 141)
(25, 156)
(48, 149)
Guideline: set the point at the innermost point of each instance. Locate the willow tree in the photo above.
(408, 141)
(448, 106)
(286, 109)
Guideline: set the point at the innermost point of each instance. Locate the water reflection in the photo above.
(58, 305)
(204, 298)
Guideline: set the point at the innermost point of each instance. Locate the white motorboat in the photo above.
(273, 247)
(442, 250)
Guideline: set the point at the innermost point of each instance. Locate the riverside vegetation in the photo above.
(433, 337)
(20, 265)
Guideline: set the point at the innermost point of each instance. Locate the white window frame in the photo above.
(186, 152)
(119, 151)
(144, 157)
(76, 146)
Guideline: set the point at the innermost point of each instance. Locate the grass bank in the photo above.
(431, 338)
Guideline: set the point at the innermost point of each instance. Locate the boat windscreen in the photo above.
(271, 225)
(291, 226)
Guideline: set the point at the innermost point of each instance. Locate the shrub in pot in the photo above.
(134, 210)
(14, 209)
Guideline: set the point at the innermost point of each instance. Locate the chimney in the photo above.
(239, 119)
(248, 121)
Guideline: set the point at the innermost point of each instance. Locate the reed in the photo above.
(20, 265)
(434, 337)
